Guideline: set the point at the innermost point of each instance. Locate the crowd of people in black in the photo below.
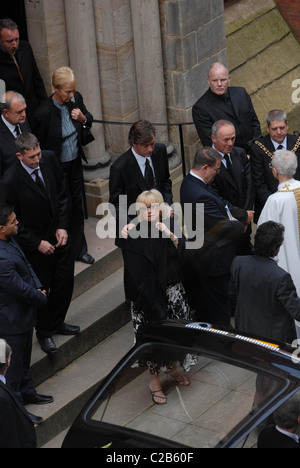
(42, 220)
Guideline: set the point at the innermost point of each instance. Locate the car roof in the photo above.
(225, 342)
(273, 357)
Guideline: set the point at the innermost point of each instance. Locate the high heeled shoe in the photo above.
(163, 398)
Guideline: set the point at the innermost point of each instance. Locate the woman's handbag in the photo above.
(86, 136)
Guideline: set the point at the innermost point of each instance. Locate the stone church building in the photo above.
(138, 59)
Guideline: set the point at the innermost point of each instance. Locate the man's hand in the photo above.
(45, 248)
(62, 237)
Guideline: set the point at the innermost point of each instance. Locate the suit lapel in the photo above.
(7, 135)
(25, 178)
(135, 168)
(212, 193)
(234, 101)
(19, 405)
(236, 169)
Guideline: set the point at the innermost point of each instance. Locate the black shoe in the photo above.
(65, 329)
(86, 258)
(47, 345)
(37, 399)
(35, 419)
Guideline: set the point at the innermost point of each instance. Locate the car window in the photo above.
(220, 396)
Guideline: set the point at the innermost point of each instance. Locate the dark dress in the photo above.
(152, 280)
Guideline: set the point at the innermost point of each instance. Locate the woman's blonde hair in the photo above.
(149, 197)
(63, 76)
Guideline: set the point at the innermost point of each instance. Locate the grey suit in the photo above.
(266, 299)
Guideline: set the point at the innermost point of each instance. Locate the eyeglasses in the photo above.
(154, 206)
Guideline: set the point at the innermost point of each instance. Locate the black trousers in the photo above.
(212, 303)
(56, 273)
(17, 375)
(74, 181)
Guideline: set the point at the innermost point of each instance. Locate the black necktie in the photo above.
(39, 181)
(17, 130)
(149, 177)
(229, 165)
(279, 147)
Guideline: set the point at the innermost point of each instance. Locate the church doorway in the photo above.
(15, 9)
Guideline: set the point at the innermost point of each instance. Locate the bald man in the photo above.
(224, 102)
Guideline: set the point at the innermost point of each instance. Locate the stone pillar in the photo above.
(47, 36)
(83, 60)
(149, 64)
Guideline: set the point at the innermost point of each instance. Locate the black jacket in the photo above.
(32, 88)
(39, 215)
(151, 265)
(127, 179)
(8, 150)
(238, 109)
(238, 190)
(264, 182)
(267, 301)
(16, 428)
(48, 125)
(214, 258)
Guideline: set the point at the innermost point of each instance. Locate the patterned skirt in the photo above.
(178, 309)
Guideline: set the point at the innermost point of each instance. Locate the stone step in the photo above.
(98, 307)
(99, 312)
(73, 386)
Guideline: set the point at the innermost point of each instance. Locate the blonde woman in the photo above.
(152, 279)
(60, 120)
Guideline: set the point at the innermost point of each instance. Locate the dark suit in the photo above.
(2, 192)
(8, 150)
(48, 130)
(16, 428)
(265, 308)
(237, 189)
(264, 182)
(270, 437)
(32, 86)
(127, 179)
(40, 215)
(212, 262)
(19, 301)
(236, 107)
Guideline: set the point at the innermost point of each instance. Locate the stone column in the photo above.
(149, 64)
(83, 60)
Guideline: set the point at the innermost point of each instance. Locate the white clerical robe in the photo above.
(284, 207)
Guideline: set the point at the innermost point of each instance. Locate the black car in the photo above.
(236, 384)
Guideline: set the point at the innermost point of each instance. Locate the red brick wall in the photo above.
(290, 10)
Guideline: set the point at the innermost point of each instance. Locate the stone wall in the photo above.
(132, 59)
(263, 56)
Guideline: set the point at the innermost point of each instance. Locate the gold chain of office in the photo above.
(268, 153)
